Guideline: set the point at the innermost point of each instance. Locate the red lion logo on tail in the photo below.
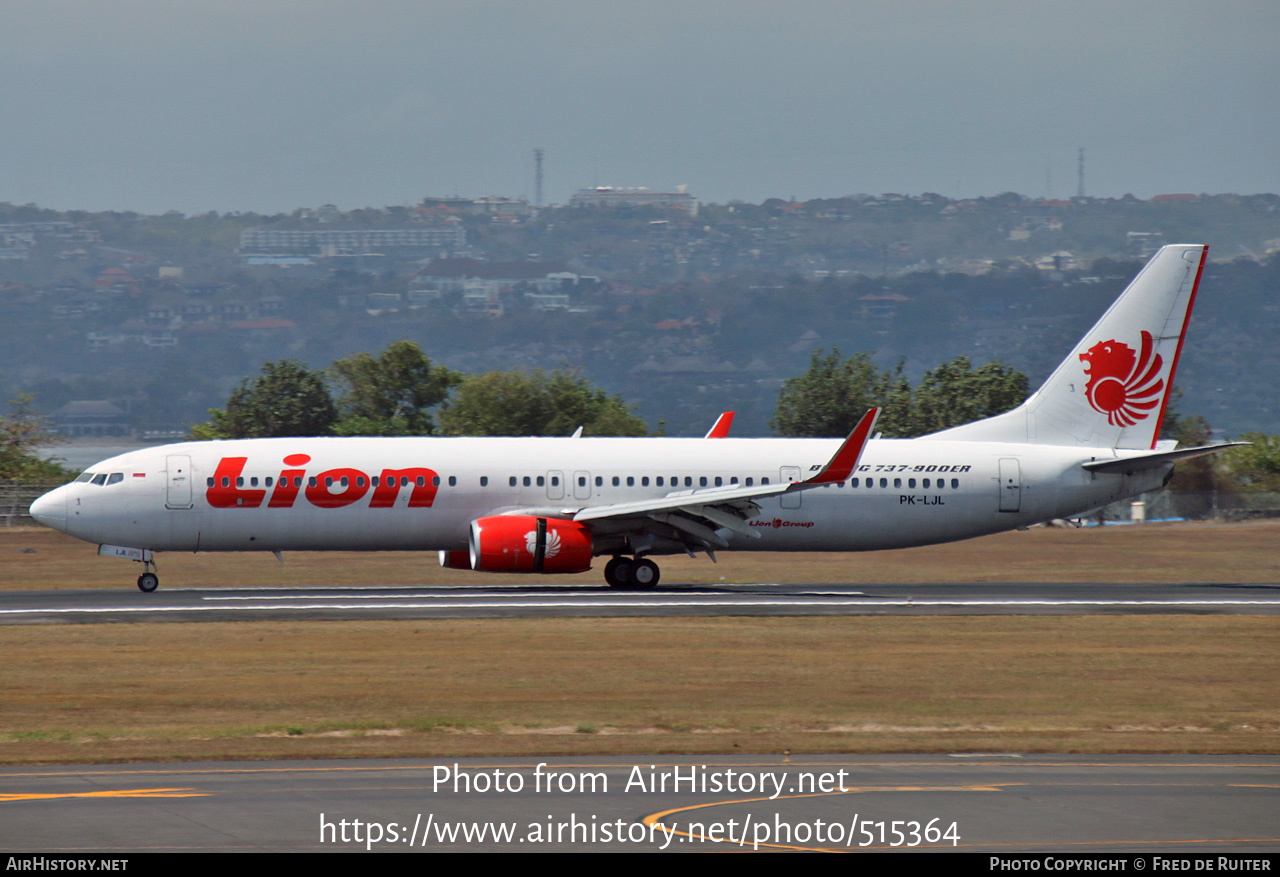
(1123, 385)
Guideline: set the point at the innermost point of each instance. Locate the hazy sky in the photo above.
(270, 105)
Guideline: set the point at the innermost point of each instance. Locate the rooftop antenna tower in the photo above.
(1080, 174)
(537, 178)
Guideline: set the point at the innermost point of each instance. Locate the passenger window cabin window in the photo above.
(311, 482)
(884, 482)
(343, 481)
(911, 482)
(542, 482)
(527, 481)
(615, 481)
(644, 481)
(955, 483)
(226, 482)
(484, 480)
(719, 481)
(374, 481)
(297, 481)
(854, 482)
(599, 481)
(764, 480)
(328, 481)
(453, 480)
(253, 482)
(658, 481)
(925, 484)
(435, 480)
(268, 481)
(733, 479)
(631, 481)
(511, 482)
(240, 481)
(750, 481)
(688, 481)
(359, 481)
(555, 481)
(208, 482)
(897, 482)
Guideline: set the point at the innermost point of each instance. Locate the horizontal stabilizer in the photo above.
(1127, 465)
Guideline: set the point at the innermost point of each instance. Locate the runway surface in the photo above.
(521, 600)
(1182, 805)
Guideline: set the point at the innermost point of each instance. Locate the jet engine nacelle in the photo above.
(455, 559)
(525, 543)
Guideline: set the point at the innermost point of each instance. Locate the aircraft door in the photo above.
(178, 492)
(582, 485)
(789, 475)
(555, 485)
(1010, 485)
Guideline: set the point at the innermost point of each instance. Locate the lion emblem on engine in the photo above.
(1123, 385)
(553, 543)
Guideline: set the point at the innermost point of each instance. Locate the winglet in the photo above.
(841, 466)
(720, 429)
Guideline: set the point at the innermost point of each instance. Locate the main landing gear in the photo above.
(640, 574)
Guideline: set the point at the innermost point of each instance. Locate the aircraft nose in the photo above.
(51, 509)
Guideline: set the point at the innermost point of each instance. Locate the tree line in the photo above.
(400, 392)
(829, 399)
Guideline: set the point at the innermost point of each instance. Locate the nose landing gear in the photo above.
(148, 581)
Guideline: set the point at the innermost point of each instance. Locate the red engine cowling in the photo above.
(524, 543)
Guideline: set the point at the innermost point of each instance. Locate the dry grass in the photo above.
(577, 686)
(37, 558)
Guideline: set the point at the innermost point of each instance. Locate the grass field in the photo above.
(663, 685)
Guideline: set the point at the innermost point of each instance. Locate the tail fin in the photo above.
(1112, 391)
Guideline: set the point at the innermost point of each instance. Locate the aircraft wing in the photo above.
(695, 515)
(1153, 461)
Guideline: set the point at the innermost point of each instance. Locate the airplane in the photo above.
(1086, 438)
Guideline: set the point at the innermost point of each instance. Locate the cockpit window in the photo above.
(100, 479)
(115, 478)
(84, 476)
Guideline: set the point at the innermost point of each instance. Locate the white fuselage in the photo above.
(290, 494)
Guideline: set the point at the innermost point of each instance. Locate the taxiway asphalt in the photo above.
(997, 802)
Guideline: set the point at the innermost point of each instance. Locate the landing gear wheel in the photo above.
(617, 572)
(645, 574)
(148, 582)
